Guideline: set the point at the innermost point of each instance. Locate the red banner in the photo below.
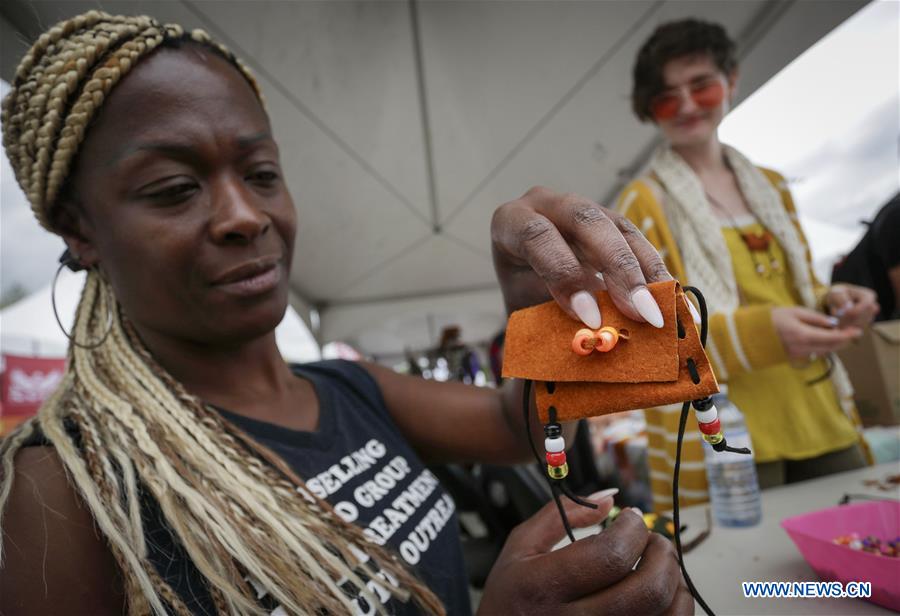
(24, 384)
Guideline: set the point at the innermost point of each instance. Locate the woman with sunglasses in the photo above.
(731, 229)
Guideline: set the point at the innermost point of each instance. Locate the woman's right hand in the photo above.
(552, 245)
(806, 333)
(594, 575)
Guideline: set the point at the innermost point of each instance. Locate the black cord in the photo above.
(556, 485)
(526, 410)
(829, 362)
(554, 489)
(562, 511)
(685, 410)
(676, 509)
(563, 486)
(704, 315)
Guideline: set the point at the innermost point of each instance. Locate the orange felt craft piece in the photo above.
(647, 367)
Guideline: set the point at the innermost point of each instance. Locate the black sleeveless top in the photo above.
(359, 462)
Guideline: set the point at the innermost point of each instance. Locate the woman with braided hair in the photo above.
(181, 466)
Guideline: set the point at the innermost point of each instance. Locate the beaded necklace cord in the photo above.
(557, 469)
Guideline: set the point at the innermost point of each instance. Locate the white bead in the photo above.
(707, 416)
(555, 444)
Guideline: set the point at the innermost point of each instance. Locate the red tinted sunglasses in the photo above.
(708, 93)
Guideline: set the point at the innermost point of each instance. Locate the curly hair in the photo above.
(672, 40)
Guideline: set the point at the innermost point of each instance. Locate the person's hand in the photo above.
(854, 306)
(806, 333)
(594, 575)
(547, 244)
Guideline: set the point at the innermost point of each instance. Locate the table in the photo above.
(762, 553)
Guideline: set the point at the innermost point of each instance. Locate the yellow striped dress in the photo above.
(787, 419)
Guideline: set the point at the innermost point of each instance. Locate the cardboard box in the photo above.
(874, 366)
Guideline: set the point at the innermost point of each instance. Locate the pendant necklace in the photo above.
(757, 243)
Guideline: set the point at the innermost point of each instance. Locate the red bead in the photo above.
(584, 341)
(711, 427)
(607, 337)
(556, 459)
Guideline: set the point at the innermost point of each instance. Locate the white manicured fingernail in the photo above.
(585, 306)
(647, 307)
(604, 493)
(694, 313)
(833, 321)
(637, 511)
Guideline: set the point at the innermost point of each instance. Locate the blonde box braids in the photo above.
(244, 518)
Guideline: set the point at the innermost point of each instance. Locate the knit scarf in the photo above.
(706, 258)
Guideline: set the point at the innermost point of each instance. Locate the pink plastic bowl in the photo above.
(814, 535)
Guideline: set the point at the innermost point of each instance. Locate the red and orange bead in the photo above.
(557, 458)
(711, 427)
(603, 340)
(584, 341)
(607, 338)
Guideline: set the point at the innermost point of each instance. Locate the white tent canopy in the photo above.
(29, 328)
(402, 125)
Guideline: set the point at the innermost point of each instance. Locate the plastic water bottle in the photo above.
(733, 486)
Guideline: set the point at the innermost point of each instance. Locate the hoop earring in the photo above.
(67, 260)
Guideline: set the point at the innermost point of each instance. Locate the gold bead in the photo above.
(558, 472)
(714, 439)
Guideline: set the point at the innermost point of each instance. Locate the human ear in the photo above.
(73, 225)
